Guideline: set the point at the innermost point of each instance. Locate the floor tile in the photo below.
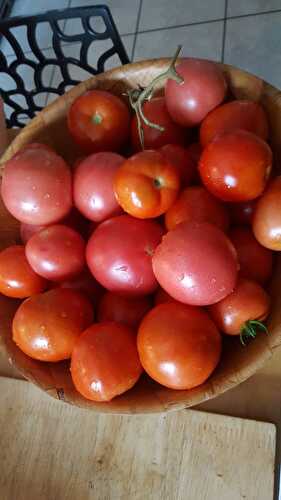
(95, 51)
(203, 41)
(124, 13)
(30, 7)
(165, 13)
(241, 7)
(253, 43)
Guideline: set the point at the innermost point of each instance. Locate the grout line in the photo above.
(224, 30)
(136, 31)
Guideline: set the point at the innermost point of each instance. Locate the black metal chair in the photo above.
(37, 59)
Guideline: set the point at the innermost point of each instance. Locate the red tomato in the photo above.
(196, 204)
(179, 345)
(105, 361)
(161, 297)
(36, 186)
(267, 217)
(85, 283)
(245, 115)
(56, 253)
(130, 311)
(255, 260)
(28, 230)
(46, 326)
(119, 254)
(203, 89)
(17, 279)
(93, 186)
(242, 213)
(183, 160)
(99, 121)
(155, 110)
(196, 264)
(247, 302)
(146, 185)
(236, 166)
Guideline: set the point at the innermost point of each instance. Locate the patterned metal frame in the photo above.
(60, 60)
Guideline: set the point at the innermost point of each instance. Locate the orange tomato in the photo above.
(17, 278)
(146, 185)
(179, 345)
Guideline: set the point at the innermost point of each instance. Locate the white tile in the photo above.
(242, 7)
(164, 13)
(198, 41)
(254, 43)
(124, 13)
(97, 48)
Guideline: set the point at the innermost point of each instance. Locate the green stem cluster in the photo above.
(250, 330)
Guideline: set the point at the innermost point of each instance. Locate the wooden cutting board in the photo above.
(52, 451)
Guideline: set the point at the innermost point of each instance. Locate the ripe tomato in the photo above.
(93, 186)
(119, 254)
(28, 230)
(127, 310)
(255, 260)
(105, 361)
(36, 186)
(56, 253)
(196, 204)
(17, 279)
(155, 110)
(183, 160)
(245, 115)
(249, 301)
(196, 264)
(84, 283)
(236, 166)
(267, 216)
(46, 326)
(179, 345)
(242, 213)
(202, 90)
(146, 185)
(99, 121)
(161, 297)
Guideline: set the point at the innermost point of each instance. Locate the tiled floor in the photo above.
(246, 33)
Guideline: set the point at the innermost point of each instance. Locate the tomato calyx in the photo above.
(250, 330)
(96, 118)
(137, 97)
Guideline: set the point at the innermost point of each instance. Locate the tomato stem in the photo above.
(138, 96)
(250, 329)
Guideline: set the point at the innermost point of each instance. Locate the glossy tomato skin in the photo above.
(242, 213)
(36, 186)
(161, 297)
(28, 230)
(146, 185)
(99, 121)
(84, 283)
(119, 254)
(183, 161)
(196, 204)
(267, 216)
(179, 345)
(46, 325)
(249, 301)
(196, 264)
(203, 89)
(255, 261)
(236, 166)
(156, 111)
(93, 186)
(244, 115)
(129, 311)
(105, 361)
(56, 253)
(17, 278)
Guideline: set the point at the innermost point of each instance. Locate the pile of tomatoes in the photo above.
(137, 259)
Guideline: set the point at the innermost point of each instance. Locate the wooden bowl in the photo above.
(238, 362)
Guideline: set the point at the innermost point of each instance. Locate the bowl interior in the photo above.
(238, 362)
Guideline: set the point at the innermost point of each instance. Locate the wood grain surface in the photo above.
(238, 363)
(53, 451)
